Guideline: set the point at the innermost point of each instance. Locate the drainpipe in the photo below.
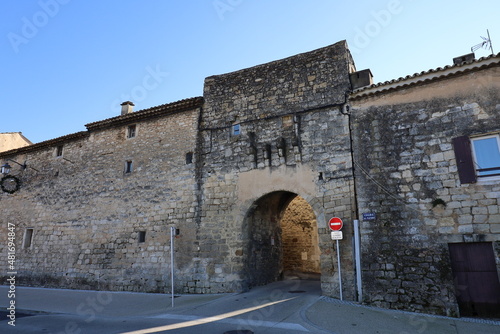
(357, 240)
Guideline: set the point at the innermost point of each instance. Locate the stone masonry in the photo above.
(283, 145)
(406, 173)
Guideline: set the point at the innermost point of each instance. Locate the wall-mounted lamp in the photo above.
(9, 183)
(5, 169)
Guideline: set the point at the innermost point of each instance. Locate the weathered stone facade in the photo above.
(293, 140)
(406, 173)
(95, 208)
(86, 212)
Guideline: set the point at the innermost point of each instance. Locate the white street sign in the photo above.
(337, 235)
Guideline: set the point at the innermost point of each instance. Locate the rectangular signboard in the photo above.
(369, 216)
(337, 235)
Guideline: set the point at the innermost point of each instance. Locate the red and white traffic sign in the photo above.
(335, 224)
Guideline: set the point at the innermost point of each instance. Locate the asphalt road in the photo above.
(291, 307)
(276, 308)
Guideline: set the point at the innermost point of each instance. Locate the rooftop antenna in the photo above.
(485, 44)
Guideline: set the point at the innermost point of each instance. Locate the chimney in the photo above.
(127, 107)
(361, 78)
(468, 58)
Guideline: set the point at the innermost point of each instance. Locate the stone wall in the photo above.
(88, 216)
(406, 173)
(292, 140)
(86, 212)
(223, 169)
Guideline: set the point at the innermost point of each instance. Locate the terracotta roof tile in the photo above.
(153, 112)
(426, 76)
(157, 111)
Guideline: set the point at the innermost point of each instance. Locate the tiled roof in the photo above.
(427, 76)
(153, 112)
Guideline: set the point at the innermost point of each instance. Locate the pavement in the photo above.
(292, 306)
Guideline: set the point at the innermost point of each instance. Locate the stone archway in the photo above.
(267, 246)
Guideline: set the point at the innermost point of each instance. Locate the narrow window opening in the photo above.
(268, 152)
(128, 166)
(189, 158)
(142, 236)
(28, 238)
(59, 151)
(131, 131)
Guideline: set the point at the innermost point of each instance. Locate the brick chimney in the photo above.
(127, 107)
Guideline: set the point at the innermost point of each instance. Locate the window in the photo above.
(487, 155)
(128, 166)
(189, 158)
(477, 157)
(236, 130)
(131, 131)
(142, 236)
(28, 238)
(59, 151)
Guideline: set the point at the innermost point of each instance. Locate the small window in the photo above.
(28, 238)
(59, 151)
(189, 158)
(236, 130)
(131, 131)
(486, 155)
(142, 236)
(129, 166)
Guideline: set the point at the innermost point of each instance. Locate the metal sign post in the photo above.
(172, 234)
(340, 275)
(335, 225)
(357, 251)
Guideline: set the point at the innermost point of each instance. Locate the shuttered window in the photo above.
(477, 158)
(465, 161)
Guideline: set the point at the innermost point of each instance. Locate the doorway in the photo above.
(476, 279)
(281, 239)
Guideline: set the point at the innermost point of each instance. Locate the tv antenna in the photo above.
(485, 44)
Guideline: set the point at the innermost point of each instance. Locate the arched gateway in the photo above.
(281, 238)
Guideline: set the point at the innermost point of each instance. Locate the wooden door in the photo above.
(476, 279)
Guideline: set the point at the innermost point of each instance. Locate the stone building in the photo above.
(12, 140)
(427, 162)
(249, 175)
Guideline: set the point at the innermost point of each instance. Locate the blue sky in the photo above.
(67, 63)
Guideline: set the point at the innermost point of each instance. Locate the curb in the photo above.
(470, 320)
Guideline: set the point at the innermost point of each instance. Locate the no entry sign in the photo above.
(335, 224)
